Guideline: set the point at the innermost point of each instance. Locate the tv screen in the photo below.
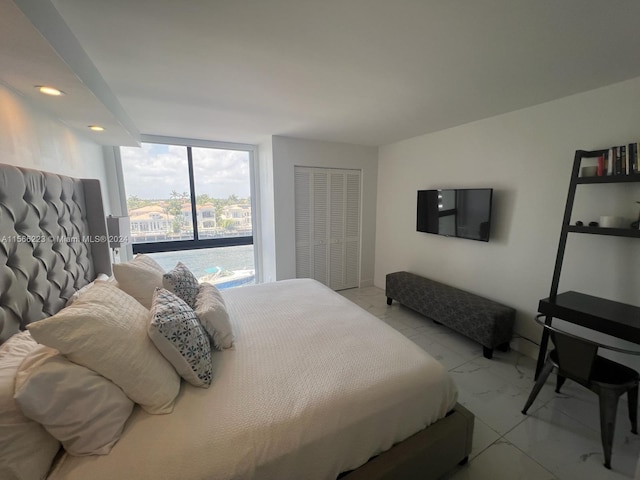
(463, 213)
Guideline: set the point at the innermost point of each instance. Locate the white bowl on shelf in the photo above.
(610, 221)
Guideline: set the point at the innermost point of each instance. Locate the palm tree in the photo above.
(174, 208)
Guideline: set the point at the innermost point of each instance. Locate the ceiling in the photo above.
(368, 72)
(27, 60)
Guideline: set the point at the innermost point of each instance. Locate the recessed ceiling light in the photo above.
(96, 128)
(49, 90)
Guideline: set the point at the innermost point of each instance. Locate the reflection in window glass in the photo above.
(156, 179)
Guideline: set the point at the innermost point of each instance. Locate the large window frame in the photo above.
(196, 243)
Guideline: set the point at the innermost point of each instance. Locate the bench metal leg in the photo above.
(608, 410)
(544, 374)
(389, 300)
(632, 404)
(487, 352)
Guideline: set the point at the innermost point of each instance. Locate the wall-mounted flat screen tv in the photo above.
(463, 213)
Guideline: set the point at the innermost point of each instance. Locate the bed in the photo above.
(314, 387)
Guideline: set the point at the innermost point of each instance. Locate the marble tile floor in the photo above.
(558, 439)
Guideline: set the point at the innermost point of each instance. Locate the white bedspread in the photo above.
(314, 386)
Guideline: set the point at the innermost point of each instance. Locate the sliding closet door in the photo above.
(336, 230)
(304, 267)
(320, 215)
(328, 226)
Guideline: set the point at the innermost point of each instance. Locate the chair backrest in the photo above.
(575, 356)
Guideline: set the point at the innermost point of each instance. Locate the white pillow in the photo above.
(106, 331)
(100, 278)
(213, 291)
(212, 313)
(148, 262)
(177, 333)
(183, 283)
(82, 409)
(26, 449)
(110, 280)
(139, 278)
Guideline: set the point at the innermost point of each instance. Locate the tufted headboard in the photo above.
(53, 241)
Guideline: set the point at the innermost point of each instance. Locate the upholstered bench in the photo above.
(485, 321)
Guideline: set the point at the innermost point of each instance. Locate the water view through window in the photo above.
(182, 197)
(225, 266)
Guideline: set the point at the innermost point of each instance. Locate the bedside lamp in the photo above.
(119, 233)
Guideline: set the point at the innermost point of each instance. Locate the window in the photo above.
(192, 203)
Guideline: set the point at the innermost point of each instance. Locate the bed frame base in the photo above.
(427, 455)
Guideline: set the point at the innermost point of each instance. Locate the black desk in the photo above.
(613, 318)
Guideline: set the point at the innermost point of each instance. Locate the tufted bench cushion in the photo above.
(485, 321)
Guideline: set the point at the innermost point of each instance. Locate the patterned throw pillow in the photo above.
(177, 333)
(183, 283)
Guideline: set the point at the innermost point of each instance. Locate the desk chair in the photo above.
(577, 358)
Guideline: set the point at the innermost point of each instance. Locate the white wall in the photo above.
(33, 139)
(526, 156)
(291, 152)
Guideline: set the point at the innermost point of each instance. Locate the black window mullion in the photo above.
(192, 188)
(179, 245)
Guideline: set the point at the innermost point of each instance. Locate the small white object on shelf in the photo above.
(610, 221)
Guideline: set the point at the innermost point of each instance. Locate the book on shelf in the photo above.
(619, 160)
(633, 158)
(620, 157)
(601, 167)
